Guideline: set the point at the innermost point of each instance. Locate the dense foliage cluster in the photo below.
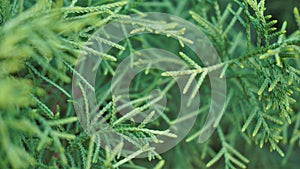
(40, 42)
